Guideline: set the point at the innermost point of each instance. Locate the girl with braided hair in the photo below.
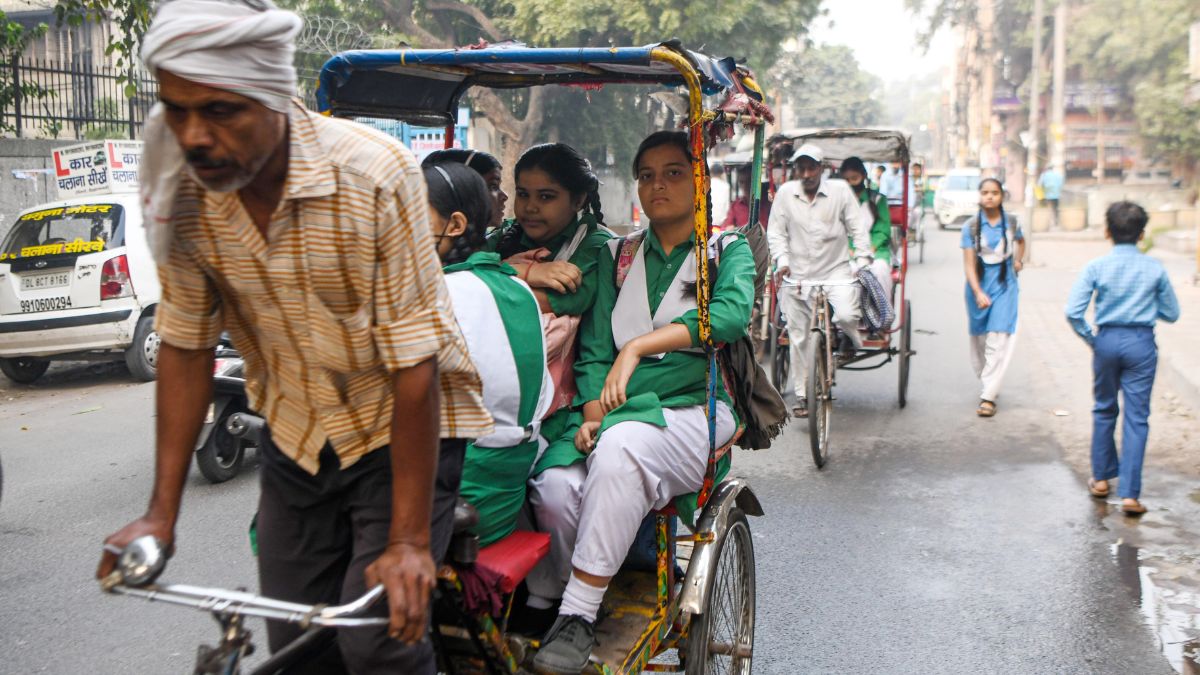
(501, 323)
(558, 229)
(554, 244)
(993, 249)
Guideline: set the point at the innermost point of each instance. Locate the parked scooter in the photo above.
(220, 453)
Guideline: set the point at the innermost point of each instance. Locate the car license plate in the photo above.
(33, 282)
(46, 304)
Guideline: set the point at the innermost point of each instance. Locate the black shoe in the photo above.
(532, 622)
(567, 647)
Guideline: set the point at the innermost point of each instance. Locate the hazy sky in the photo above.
(884, 37)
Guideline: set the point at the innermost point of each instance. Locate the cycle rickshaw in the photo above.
(893, 343)
(701, 622)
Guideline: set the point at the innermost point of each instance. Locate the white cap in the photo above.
(808, 150)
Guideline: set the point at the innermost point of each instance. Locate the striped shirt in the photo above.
(1130, 289)
(346, 289)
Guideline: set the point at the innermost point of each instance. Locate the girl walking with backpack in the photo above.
(993, 249)
(642, 372)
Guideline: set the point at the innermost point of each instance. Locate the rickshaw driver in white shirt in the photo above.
(813, 219)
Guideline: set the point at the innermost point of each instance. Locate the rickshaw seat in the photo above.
(897, 213)
(514, 556)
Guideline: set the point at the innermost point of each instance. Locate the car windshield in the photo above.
(80, 228)
(960, 183)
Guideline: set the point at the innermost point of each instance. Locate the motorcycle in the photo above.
(220, 450)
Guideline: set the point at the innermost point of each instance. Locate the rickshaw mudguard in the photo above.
(732, 493)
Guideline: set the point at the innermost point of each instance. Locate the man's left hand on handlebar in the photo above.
(162, 530)
(409, 575)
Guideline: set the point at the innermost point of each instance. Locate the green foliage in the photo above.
(132, 19)
(13, 40)
(107, 109)
(1147, 58)
(828, 88)
(609, 121)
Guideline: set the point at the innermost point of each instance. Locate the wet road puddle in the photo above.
(1164, 586)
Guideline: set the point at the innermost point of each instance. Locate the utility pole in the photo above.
(1058, 140)
(987, 28)
(1035, 100)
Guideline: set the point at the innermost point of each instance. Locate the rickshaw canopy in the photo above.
(869, 145)
(424, 86)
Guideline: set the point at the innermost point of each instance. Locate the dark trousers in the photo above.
(316, 536)
(1124, 360)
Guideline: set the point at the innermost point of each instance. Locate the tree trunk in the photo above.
(516, 133)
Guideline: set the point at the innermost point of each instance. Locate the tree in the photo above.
(132, 19)
(828, 88)
(599, 123)
(1147, 59)
(13, 39)
(751, 30)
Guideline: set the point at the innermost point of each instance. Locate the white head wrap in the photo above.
(226, 45)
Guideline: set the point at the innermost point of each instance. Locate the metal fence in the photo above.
(46, 99)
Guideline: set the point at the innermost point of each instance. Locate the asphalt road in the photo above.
(933, 541)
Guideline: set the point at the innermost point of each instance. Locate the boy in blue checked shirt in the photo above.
(1132, 292)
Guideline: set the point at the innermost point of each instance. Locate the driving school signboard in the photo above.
(100, 167)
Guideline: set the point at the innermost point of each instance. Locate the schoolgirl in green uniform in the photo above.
(642, 373)
(554, 244)
(501, 323)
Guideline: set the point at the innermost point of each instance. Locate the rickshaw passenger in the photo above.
(854, 172)
(807, 234)
(891, 184)
(487, 166)
(739, 210)
(558, 228)
(554, 183)
(642, 377)
(500, 320)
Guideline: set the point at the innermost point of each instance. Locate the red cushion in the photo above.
(514, 556)
(897, 213)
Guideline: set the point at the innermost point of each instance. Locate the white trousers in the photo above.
(592, 511)
(796, 304)
(991, 354)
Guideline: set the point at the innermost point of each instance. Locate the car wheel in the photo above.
(24, 369)
(142, 355)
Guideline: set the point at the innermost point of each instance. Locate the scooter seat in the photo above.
(514, 556)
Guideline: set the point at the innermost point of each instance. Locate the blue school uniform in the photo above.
(1132, 292)
(1001, 315)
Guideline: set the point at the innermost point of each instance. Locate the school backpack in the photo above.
(758, 404)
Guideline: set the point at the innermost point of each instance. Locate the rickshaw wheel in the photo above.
(780, 357)
(721, 640)
(820, 400)
(905, 352)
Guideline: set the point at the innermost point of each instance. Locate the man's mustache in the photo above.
(200, 160)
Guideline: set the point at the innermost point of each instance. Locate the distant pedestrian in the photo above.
(1051, 183)
(993, 249)
(1132, 292)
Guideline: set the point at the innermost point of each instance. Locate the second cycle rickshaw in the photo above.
(879, 349)
(693, 611)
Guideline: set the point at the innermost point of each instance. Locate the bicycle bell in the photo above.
(142, 561)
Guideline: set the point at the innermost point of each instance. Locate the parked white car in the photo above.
(77, 283)
(957, 197)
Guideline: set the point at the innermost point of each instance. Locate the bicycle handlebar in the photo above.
(229, 603)
(226, 602)
(819, 282)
